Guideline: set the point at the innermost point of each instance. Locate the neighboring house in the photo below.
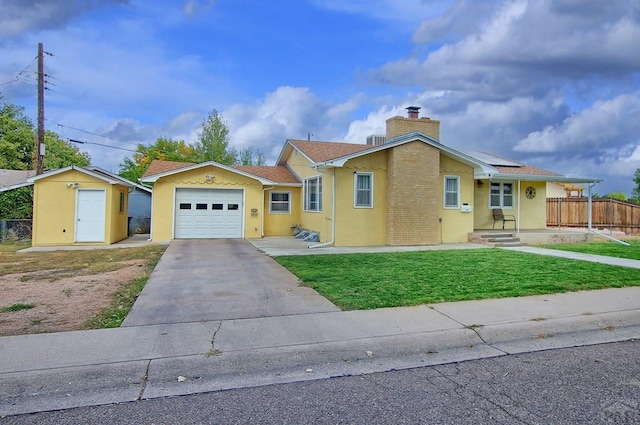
(404, 188)
(76, 205)
(139, 202)
(13, 179)
(564, 190)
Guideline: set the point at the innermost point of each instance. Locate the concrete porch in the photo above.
(509, 237)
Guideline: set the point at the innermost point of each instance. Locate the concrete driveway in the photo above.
(220, 279)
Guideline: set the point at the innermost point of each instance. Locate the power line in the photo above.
(91, 132)
(19, 74)
(100, 144)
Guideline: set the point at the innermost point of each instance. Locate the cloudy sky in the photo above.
(554, 83)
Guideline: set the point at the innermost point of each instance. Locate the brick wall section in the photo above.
(397, 126)
(413, 194)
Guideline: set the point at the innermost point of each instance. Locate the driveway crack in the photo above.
(214, 351)
(144, 379)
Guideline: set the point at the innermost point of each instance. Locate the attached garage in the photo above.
(208, 213)
(210, 200)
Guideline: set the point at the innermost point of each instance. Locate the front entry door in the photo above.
(90, 215)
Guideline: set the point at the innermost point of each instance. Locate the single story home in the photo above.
(13, 179)
(78, 205)
(403, 188)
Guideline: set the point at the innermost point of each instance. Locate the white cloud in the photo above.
(509, 55)
(604, 125)
(194, 7)
(287, 112)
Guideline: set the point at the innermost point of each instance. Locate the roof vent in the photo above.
(376, 140)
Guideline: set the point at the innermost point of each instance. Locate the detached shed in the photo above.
(76, 205)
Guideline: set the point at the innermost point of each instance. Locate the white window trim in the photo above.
(280, 202)
(444, 193)
(355, 189)
(513, 196)
(305, 200)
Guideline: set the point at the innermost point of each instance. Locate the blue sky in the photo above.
(554, 83)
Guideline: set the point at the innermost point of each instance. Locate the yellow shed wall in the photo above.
(456, 225)
(361, 226)
(162, 220)
(117, 222)
(54, 209)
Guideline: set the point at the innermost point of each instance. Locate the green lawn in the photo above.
(367, 281)
(608, 248)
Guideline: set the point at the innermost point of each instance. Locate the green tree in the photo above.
(17, 203)
(250, 156)
(16, 138)
(163, 149)
(618, 196)
(59, 153)
(213, 141)
(636, 180)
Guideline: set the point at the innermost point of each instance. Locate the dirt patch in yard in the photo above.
(63, 299)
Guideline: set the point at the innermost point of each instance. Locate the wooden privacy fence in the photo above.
(607, 214)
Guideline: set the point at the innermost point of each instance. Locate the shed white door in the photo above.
(208, 213)
(90, 215)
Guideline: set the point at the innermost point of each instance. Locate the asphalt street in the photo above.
(596, 384)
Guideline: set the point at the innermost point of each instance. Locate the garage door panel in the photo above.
(208, 213)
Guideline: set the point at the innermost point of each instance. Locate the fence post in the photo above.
(559, 212)
(3, 230)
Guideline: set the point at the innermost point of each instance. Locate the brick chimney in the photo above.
(397, 126)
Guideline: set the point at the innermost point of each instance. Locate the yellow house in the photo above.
(76, 205)
(403, 188)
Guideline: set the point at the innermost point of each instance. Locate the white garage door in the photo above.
(208, 213)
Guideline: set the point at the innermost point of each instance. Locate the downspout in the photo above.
(263, 210)
(590, 208)
(519, 202)
(151, 217)
(333, 214)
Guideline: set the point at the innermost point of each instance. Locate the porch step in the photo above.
(496, 235)
(496, 239)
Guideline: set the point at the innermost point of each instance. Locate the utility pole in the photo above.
(40, 139)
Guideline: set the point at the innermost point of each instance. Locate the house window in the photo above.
(452, 192)
(121, 201)
(501, 195)
(280, 203)
(363, 190)
(313, 194)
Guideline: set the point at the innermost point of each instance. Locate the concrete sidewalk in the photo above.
(72, 369)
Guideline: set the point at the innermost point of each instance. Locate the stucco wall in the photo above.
(361, 226)
(456, 224)
(280, 224)
(533, 212)
(316, 221)
(117, 223)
